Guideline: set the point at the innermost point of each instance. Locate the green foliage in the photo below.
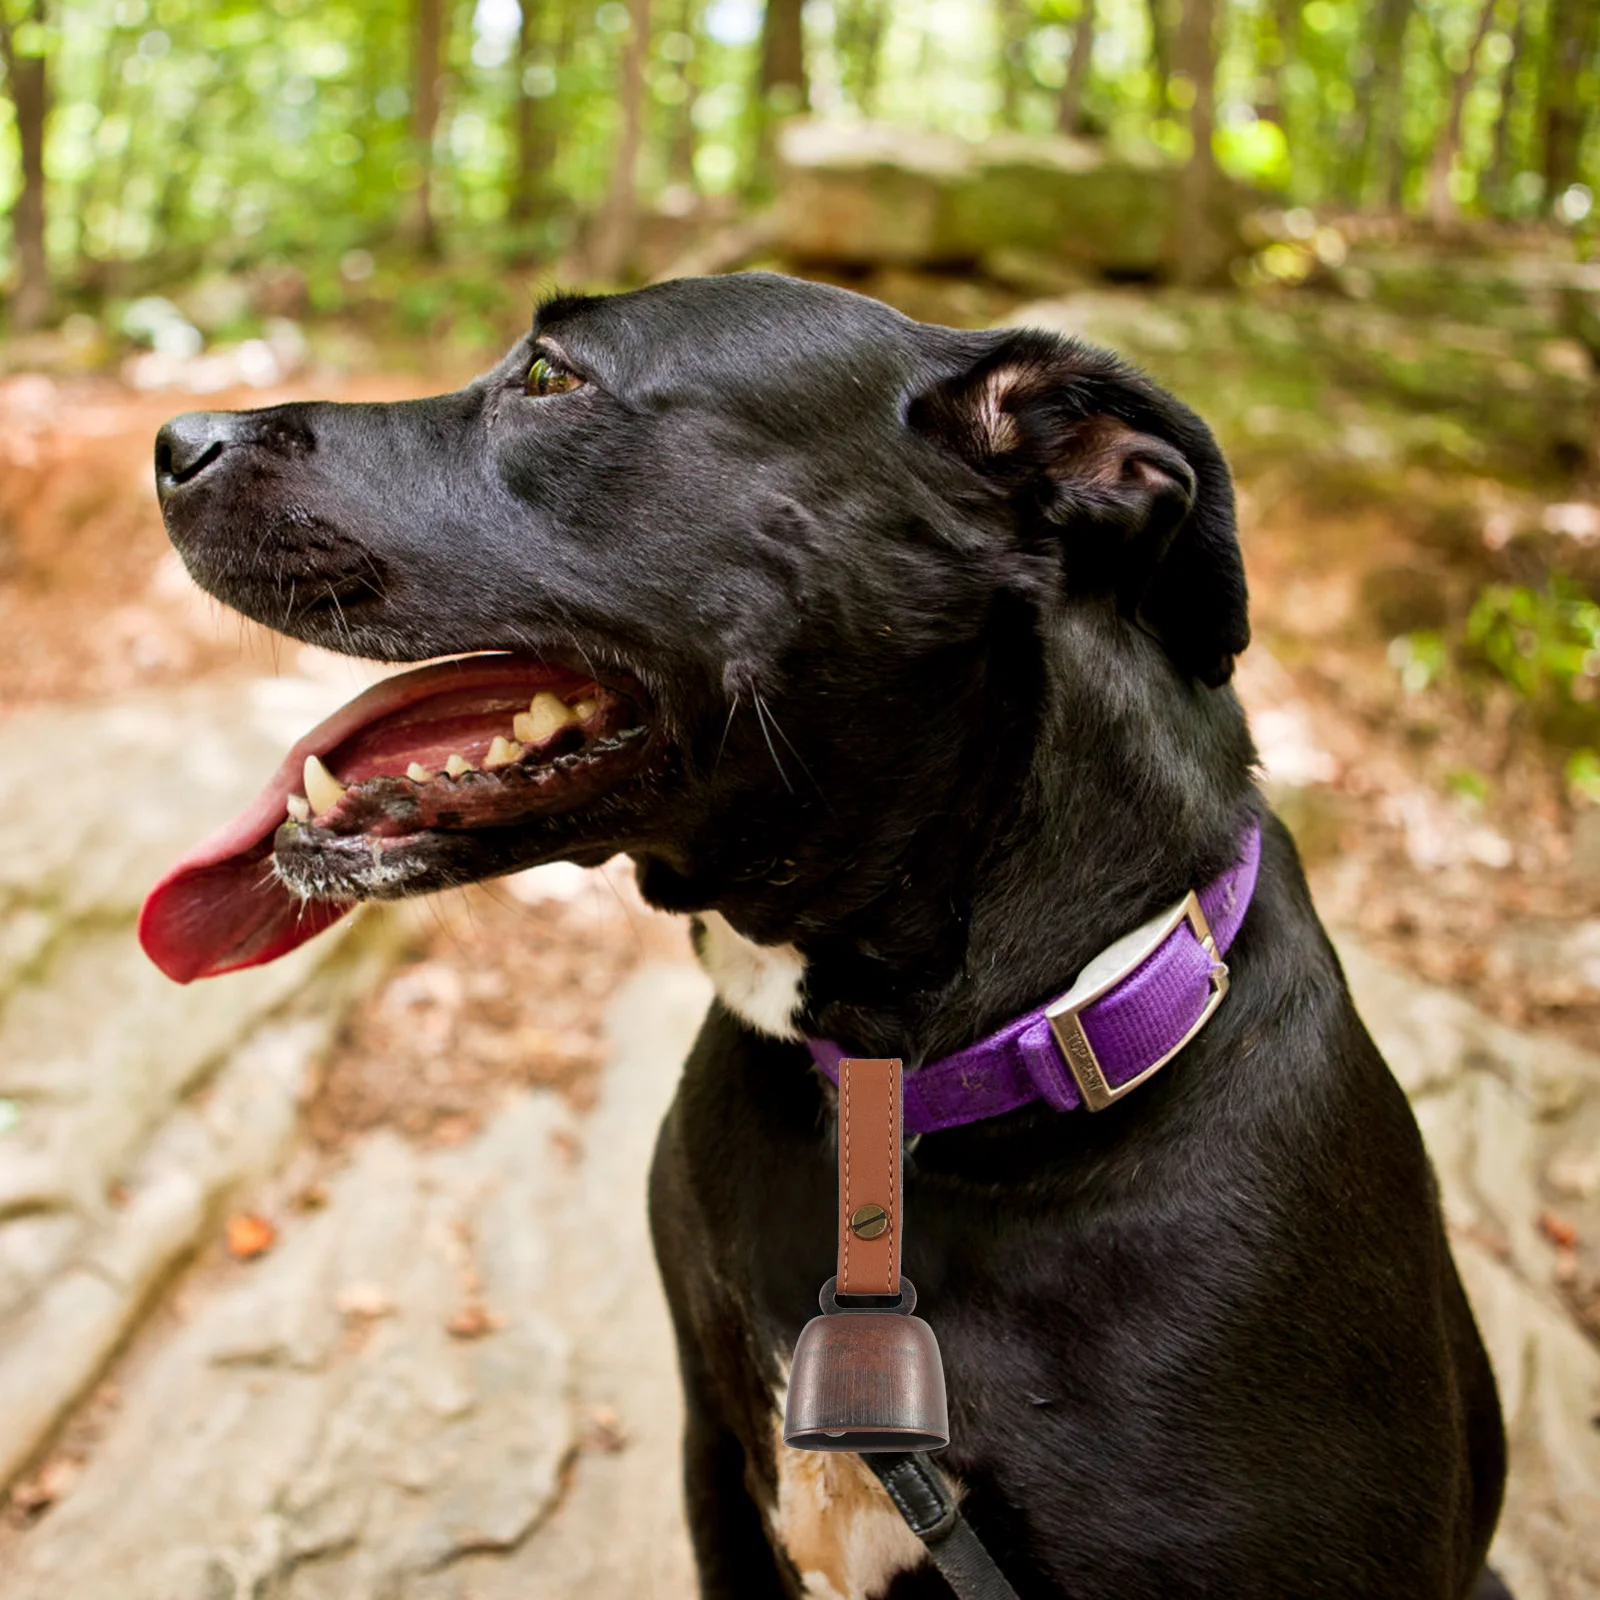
(1468, 784)
(1583, 775)
(1420, 658)
(1542, 644)
(1545, 643)
(226, 132)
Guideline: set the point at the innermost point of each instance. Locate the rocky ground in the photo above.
(331, 1279)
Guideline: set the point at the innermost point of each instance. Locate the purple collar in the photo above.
(1133, 1008)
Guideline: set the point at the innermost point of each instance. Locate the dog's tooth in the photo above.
(299, 808)
(502, 752)
(584, 709)
(323, 790)
(457, 764)
(546, 714)
(418, 773)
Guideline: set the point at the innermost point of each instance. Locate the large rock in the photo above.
(133, 1106)
(1511, 1119)
(454, 1378)
(869, 195)
(317, 1427)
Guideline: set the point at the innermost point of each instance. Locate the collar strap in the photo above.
(1132, 1009)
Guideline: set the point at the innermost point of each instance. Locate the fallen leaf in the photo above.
(472, 1321)
(249, 1235)
(49, 1484)
(1558, 1230)
(604, 1431)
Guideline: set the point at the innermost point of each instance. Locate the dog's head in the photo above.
(727, 569)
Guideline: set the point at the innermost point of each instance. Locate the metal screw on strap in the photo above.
(869, 1222)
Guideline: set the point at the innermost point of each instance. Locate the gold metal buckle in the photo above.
(1104, 973)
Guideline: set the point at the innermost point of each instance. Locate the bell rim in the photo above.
(866, 1441)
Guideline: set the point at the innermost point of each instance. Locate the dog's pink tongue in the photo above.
(220, 907)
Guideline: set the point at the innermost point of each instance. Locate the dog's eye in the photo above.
(545, 377)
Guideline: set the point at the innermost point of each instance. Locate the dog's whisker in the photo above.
(778, 726)
(772, 749)
(727, 728)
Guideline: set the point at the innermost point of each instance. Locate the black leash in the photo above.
(922, 1496)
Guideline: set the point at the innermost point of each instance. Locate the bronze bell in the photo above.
(866, 1380)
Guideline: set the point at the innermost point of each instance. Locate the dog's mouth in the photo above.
(401, 791)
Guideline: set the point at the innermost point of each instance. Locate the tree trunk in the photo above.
(1199, 253)
(782, 87)
(526, 178)
(1569, 42)
(1286, 45)
(29, 86)
(858, 37)
(425, 102)
(1160, 55)
(1011, 22)
(1497, 180)
(616, 230)
(1069, 109)
(783, 56)
(1383, 145)
(1441, 205)
(681, 133)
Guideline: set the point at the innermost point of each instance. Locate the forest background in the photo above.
(146, 140)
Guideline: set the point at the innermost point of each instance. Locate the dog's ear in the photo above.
(1127, 480)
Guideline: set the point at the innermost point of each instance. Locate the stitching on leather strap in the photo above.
(845, 1206)
(893, 1234)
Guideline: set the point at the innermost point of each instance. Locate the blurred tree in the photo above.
(782, 84)
(528, 131)
(681, 90)
(1201, 254)
(1278, 54)
(1160, 24)
(1012, 27)
(1496, 185)
(858, 30)
(426, 97)
(1069, 108)
(24, 44)
(1441, 202)
(615, 236)
(1569, 47)
(1383, 163)
(546, 35)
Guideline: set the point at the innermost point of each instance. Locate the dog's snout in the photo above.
(188, 445)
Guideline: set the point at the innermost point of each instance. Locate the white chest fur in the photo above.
(837, 1524)
(759, 983)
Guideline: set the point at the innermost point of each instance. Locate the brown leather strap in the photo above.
(869, 1177)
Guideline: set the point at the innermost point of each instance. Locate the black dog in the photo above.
(899, 655)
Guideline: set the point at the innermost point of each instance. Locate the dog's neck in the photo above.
(1136, 790)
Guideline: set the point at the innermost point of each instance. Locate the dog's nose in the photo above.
(188, 445)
